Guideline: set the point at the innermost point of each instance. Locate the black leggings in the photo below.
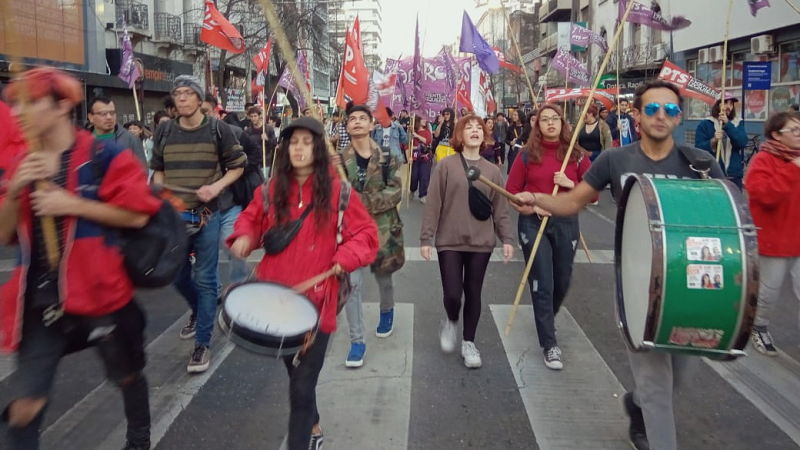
(463, 272)
(303, 414)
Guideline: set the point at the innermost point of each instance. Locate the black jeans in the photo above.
(303, 413)
(463, 272)
(421, 177)
(119, 340)
(552, 269)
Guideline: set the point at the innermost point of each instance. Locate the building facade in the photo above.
(341, 15)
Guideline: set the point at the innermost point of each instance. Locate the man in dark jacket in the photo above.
(726, 127)
(103, 119)
(622, 124)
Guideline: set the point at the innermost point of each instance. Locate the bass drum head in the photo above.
(634, 257)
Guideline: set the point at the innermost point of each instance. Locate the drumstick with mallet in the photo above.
(474, 174)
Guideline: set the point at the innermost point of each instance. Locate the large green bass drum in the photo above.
(685, 256)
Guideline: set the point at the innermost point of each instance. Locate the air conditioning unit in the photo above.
(702, 56)
(761, 44)
(715, 54)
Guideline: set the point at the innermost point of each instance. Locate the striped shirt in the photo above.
(190, 158)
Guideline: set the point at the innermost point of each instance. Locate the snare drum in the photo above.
(267, 318)
(685, 256)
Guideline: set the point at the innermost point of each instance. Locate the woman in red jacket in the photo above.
(538, 169)
(303, 178)
(773, 187)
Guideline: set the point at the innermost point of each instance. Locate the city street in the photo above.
(409, 395)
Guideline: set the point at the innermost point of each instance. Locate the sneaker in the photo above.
(201, 356)
(316, 442)
(356, 356)
(423, 200)
(471, 355)
(447, 336)
(636, 430)
(552, 358)
(762, 341)
(190, 329)
(386, 324)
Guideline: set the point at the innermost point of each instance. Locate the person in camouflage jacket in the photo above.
(373, 173)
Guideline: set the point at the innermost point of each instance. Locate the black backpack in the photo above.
(154, 254)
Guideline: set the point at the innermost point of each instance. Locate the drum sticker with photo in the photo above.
(704, 276)
(696, 337)
(703, 249)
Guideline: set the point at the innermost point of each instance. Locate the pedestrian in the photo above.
(595, 135)
(259, 133)
(604, 115)
(340, 137)
(443, 133)
(372, 171)
(773, 190)
(514, 137)
(538, 170)
(422, 157)
(86, 298)
(304, 180)
(492, 152)
(622, 125)
(464, 242)
(200, 153)
(499, 134)
(405, 119)
(139, 131)
(103, 120)
(391, 137)
(658, 104)
(725, 126)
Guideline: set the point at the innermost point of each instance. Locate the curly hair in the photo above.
(322, 179)
(534, 144)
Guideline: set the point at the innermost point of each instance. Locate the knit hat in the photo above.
(190, 81)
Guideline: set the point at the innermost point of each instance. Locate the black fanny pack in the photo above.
(277, 238)
(479, 204)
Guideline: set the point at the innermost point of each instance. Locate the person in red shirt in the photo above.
(773, 187)
(54, 306)
(538, 169)
(303, 177)
(422, 156)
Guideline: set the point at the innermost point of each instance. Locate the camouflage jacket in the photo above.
(381, 200)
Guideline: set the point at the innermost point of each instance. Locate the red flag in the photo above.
(354, 79)
(261, 59)
(504, 62)
(217, 31)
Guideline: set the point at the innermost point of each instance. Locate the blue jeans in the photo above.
(198, 283)
(237, 270)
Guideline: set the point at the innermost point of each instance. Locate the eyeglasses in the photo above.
(671, 109)
(794, 131)
(549, 119)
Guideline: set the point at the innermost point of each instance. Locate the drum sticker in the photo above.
(696, 337)
(704, 276)
(703, 249)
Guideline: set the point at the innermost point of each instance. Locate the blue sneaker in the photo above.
(356, 356)
(386, 324)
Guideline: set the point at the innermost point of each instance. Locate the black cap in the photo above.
(307, 123)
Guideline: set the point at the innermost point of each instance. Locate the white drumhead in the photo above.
(270, 308)
(637, 258)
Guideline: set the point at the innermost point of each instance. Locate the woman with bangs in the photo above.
(538, 169)
(464, 242)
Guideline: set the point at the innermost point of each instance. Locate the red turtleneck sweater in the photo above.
(538, 177)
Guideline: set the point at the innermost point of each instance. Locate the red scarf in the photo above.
(780, 150)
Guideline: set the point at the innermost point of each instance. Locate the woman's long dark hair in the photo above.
(451, 124)
(534, 144)
(321, 177)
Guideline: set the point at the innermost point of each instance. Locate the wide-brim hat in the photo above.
(306, 123)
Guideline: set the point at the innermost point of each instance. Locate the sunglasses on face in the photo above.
(671, 109)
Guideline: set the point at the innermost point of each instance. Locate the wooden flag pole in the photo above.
(791, 5)
(136, 102)
(410, 157)
(724, 72)
(575, 132)
(264, 137)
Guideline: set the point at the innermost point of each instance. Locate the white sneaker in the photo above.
(552, 358)
(471, 355)
(447, 336)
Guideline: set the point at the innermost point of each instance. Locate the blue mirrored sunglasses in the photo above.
(672, 110)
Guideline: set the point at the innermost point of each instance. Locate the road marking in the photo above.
(600, 215)
(772, 384)
(7, 265)
(598, 256)
(575, 408)
(97, 420)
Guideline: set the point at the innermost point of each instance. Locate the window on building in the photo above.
(736, 68)
(691, 66)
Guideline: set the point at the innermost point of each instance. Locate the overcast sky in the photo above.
(439, 23)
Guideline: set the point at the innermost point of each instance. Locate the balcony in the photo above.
(548, 44)
(167, 28)
(133, 15)
(191, 34)
(555, 10)
(640, 56)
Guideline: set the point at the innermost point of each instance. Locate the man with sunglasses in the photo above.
(657, 108)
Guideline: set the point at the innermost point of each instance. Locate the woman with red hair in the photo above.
(538, 169)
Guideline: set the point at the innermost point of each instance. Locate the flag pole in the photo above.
(724, 80)
(264, 137)
(410, 157)
(136, 102)
(575, 132)
(791, 5)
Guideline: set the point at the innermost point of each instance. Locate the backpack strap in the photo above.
(344, 201)
(700, 165)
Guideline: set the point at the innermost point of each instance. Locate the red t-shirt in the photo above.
(538, 177)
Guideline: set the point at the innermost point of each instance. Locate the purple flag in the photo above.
(652, 18)
(128, 70)
(417, 72)
(755, 5)
(582, 37)
(568, 65)
(473, 42)
(287, 80)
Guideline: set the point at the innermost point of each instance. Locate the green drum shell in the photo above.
(712, 321)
